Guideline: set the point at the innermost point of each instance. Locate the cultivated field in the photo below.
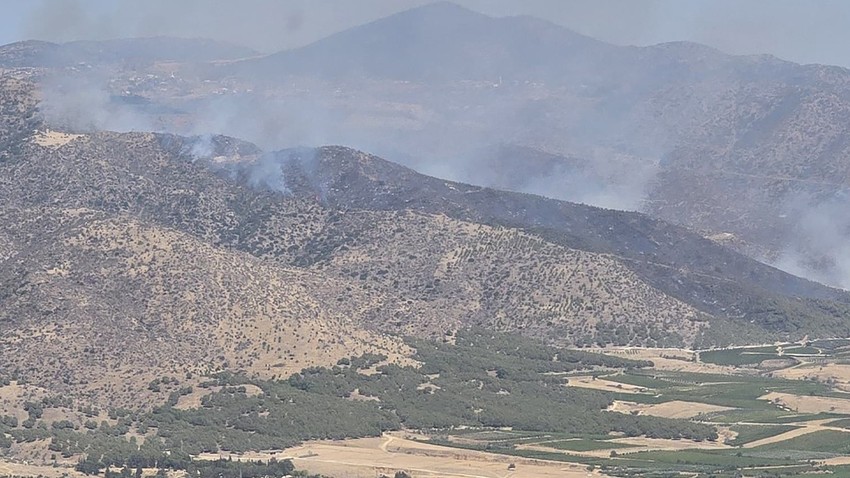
(791, 421)
(768, 420)
(365, 458)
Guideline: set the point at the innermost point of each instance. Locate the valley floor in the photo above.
(401, 451)
(776, 408)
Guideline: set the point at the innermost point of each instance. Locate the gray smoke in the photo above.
(267, 172)
(818, 247)
(269, 122)
(83, 102)
(592, 148)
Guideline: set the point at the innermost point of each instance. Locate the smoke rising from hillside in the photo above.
(818, 247)
(589, 129)
(84, 103)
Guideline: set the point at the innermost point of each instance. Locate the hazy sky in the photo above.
(806, 31)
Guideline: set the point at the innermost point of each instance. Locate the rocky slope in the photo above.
(752, 149)
(123, 252)
(747, 150)
(179, 255)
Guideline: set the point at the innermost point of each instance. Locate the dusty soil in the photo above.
(602, 384)
(193, 400)
(838, 374)
(22, 469)
(54, 139)
(369, 457)
(838, 460)
(674, 359)
(807, 404)
(672, 409)
(13, 396)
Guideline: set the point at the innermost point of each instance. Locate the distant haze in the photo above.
(804, 31)
(574, 119)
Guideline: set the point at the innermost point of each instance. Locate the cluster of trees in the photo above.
(18, 119)
(483, 380)
(624, 332)
(102, 449)
(477, 347)
(7, 423)
(495, 380)
(240, 469)
(280, 417)
(220, 468)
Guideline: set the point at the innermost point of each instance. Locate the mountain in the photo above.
(134, 51)
(439, 42)
(693, 125)
(125, 251)
(444, 42)
(682, 264)
(184, 255)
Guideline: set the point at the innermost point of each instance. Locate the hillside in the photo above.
(438, 42)
(693, 125)
(122, 253)
(684, 265)
(102, 306)
(132, 51)
(675, 130)
(205, 252)
(164, 298)
(129, 251)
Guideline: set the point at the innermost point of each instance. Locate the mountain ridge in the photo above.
(41, 54)
(155, 239)
(662, 108)
(97, 222)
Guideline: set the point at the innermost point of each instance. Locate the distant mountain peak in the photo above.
(442, 7)
(440, 41)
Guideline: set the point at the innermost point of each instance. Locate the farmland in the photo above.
(480, 402)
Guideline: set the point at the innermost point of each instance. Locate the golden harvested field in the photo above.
(23, 469)
(602, 384)
(807, 404)
(672, 409)
(366, 457)
(369, 457)
(837, 373)
(671, 359)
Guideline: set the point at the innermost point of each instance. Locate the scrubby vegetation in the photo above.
(495, 380)
(199, 468)
(482, 380)
(473, 389)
